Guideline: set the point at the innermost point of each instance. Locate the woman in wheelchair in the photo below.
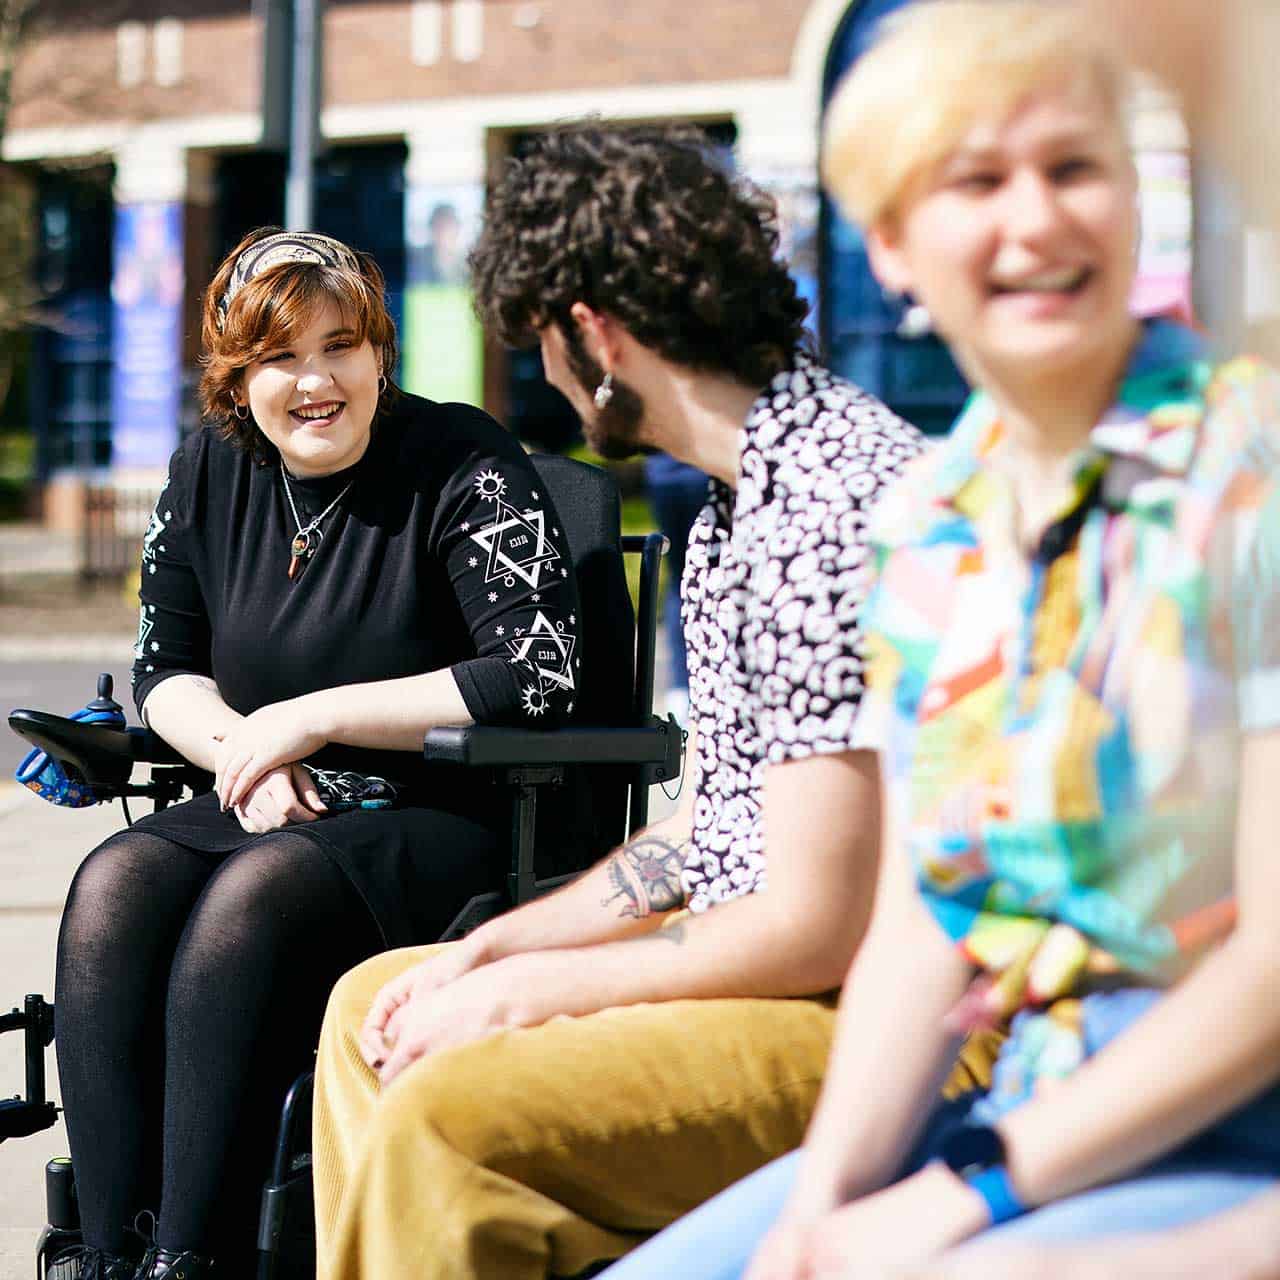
(333, 567)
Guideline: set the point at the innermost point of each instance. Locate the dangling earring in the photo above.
(604, 392)
(236, 406)
(915, 322)
(382, 384)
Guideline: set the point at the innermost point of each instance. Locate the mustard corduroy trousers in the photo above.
(537, 1152)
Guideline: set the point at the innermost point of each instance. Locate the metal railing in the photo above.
(115, 520)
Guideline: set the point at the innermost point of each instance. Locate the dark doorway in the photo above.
(359, 200)
(70, 388)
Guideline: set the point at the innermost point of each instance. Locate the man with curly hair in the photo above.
(518, 1142)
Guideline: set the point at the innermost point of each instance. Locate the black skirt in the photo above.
(415, 866)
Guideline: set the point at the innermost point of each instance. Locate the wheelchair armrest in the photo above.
(102, 755)
(654, 747)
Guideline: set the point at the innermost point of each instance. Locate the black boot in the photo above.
(160, 1264)
(94, 1264)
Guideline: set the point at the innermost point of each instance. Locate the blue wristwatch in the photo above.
(975, 1153)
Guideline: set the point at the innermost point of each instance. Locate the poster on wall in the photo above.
(1163, 282)
(443, 345)
(146, 294)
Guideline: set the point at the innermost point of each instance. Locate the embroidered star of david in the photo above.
(547, 651)
(144, 630)
(517, 545)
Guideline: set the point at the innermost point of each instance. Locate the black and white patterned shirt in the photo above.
(773, 579)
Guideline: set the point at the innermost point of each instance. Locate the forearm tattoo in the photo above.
(645, 876)
(672, 933)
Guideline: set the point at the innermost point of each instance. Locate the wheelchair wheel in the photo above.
(51, 1260)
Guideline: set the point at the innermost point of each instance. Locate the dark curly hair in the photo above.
(268, 312)
(639, 222)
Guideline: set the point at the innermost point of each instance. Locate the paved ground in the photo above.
(54, 639)
(55, 636)
(40, 847)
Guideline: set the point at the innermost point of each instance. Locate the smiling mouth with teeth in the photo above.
(1069, 280)
(318, 412)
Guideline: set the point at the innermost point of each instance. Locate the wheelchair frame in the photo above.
(105, 758)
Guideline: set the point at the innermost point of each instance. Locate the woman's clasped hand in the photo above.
(261, 744)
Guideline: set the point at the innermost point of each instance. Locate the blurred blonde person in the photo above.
(1074, 690)
(1220, 62)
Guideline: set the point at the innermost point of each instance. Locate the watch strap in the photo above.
(996, 1189)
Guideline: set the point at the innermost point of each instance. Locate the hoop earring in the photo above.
(604, 392)
(382, 384)
(236, 406)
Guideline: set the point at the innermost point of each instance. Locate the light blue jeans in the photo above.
(716, 1241)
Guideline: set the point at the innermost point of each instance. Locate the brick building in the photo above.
(143, 121)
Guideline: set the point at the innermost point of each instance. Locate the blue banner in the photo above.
(146, 291)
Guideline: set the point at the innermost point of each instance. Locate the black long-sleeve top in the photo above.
(443, 553)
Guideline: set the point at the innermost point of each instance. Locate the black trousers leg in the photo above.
(274, 928)
(127, 908)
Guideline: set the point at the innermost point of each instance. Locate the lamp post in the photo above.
(291, 90)
(304, 128)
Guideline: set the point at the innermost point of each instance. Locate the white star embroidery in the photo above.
(535, 597)
(499, 631)
(533, 493)
(572, 619)
(564, 573)
(466, 526)
(472, 561)
(493, 597)
(547, 653)
(516, 544)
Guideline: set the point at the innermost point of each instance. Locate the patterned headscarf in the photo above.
(277, 250)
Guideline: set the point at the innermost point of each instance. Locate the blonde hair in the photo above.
(934, 71)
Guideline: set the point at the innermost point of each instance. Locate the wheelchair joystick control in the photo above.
(105, 701)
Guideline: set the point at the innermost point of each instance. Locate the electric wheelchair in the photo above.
(573, 793)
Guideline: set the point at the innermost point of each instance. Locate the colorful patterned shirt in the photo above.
(1061, 733)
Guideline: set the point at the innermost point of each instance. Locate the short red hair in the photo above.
(268, 312)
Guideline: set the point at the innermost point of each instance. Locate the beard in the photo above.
(614, 432)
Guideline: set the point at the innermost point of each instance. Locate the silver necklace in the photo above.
(307, 540)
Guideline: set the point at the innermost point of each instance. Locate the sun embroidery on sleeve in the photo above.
(490, 485)
(516, 543)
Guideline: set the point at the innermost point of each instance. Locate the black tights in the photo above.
(189, 996)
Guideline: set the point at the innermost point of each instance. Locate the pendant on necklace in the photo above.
(300, 550)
